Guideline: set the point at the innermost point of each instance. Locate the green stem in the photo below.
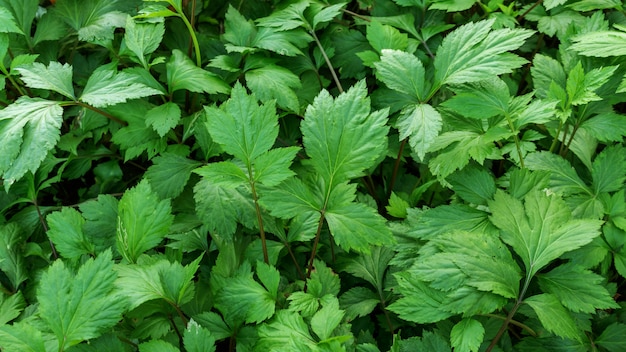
(96, 110)
(521, 17)
(192, 33)
(327, 59)
(556, 138)
(514, 322)
(318, 234)
(396, 166)
(509, 317)
(259, 216)
(516, 139)
(10, 78)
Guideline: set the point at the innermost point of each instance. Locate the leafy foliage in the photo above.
(390, 175)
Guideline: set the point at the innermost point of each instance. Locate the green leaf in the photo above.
(136, 138)
(452, 5)
(13, 262)
(304, 303)
(421, 123)
(402, 72)
(291, 199)
(169, 174)
(358, 302)
(83, 305)
(101, 221)
(244, 299)
(553, 316)
(563, 177)
(419, 302)
(357, 226)
(163, 118)
(11, 307)
(606, 127)
(55, 77)
(223, 174)
(7, 22)
(341, 136)
(431, 223)
(157, 346)
(29, 129)
(600, 44)
(327, 14)
(609, 170)
(382, 36)
(155, 278)
(143, 221)
(324, 322)
(397, 206)
(581, 86)
(541, 229)
(218, 207)
(275, 82)
(198, 339)
(370, 267)
(21, 337)
(480, 100)
(143, 38)
(612, 338)
(107, 87)
(238, 31)
(286, 331)
(244, 128)
(290, 17)
(577, 289)
(473, 184)
(467, 335)
(272, 168)
(66, 232)
(474, 52)
(182, 73)
(93, 20)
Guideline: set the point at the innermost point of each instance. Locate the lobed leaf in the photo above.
(421, 123)
(107, 87)
(182, 73)
(55, 77)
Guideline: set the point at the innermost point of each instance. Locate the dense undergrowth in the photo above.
(372, 175)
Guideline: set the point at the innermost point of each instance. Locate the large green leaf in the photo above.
(92, 19)
(341, 136)
(163, 118)
(198, 339)
(107, 87)
(600, 44)
(143, 221)
(12, 262)
(327, 319)
(480, 100)
(22, 337)
(143, 38)
(55, 77)
(274, 82)
(29, 129)
(286, 331)
(541, 229)
(612, 338)
(371, 267)
(474, 52)
(7, 22)
(80, 306)
(420, 303)
(609, 170)
(563, 177)
(182, 73)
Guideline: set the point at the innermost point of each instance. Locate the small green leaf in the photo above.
(11, 307)
(382, 36)
(467, 335)
(80, 306)
(22, 337)
(397, 206)
(66, 232)
(13, 262)
(169, 174)
(163, 118)
(55, 77)
(292, 198)
(237, 30)
(244, 128)
(480, 100)
(402, 72)
(324, 322)
(600, 44)
(7, 22)
(287, 331)
(419, 302)
(421, 123)
(244, 299)
(29, 129)
(473, 184)
(107, 87)
(223, 174)
(553, 316)
(275, 82)
(272, 168)
(612, 338)
(358, 302)
(143, 221)
(609, 170)
(327, 14)
(563, 177)
(357, 226)
(143, 38)
(198, 339)
(182, 73)
(370, 267)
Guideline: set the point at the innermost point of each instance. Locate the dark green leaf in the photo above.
(553, 316)
(66, 232)
(169, 174)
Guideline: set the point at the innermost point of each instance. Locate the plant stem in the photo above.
(514, 322)
(509, 317)
(318, 233)
(45, 228)
(11, 79)
(295, 262)
(521, 17)
(327, 59)
(556, 138)
(259, 218)
(192, 34)
(516, 139)
(96, 110)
